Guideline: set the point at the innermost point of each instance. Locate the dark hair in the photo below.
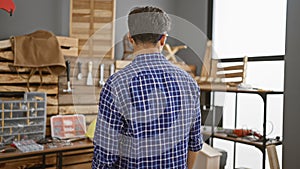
(147, 24)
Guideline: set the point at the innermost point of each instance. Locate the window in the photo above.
(253, 28)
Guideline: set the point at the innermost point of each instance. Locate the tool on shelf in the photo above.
(101, 81)
(89, 81)
(79, 75)
(68, 90)
(112, 69)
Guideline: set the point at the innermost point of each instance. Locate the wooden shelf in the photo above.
(258, 144)
(223, 88)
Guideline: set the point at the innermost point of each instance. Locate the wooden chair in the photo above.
(172, 51)
(213, 71)
(233, 74)
(273, 158)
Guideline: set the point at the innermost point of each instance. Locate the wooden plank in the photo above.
(79, 99)
(90, 118)
(104, 5)
(67, 41)
(107, 26)
(70, 52)
(75, 159)
(5, 44)
(78, 109)
(17, 79)
(120, 64)
(53, 89)
(7, 55)
(82, 82)
(52, 100)
(28, 162)
(81, 166)
(103, 13)
(227, 68)
(81, 4)
(85, 151)
(52, 110)
(4, 67)
(231, 75)
(103, 19)
(63, 41)
(80, 90)
(80, 25)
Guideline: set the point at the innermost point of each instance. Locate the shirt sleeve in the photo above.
(108, 127)
(195, 137)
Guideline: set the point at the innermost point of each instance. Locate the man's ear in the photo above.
(163, 40)
(130, 39)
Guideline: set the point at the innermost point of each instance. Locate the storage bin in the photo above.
(68, 126)
(23, 119)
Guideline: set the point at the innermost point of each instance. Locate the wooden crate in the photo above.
(92, 22)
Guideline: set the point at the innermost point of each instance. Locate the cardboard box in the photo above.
(208, 158)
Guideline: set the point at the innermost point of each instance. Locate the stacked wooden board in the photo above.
(91, 21)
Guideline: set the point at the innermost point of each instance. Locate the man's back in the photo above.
(156, 118)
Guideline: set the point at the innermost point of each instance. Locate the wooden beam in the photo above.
(5, 44)
(120, 64)
(17, 79)
(7, 55)
(79, 99)
(81, 90)
(52, 101)
(227, 68)
(81, 166)
(90, 118)
(67, 41)
(52, 110)
(53, 89)
(78, 109)
(75, 159)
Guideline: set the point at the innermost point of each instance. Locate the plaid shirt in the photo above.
(149, 117)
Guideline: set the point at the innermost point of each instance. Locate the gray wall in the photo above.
(195, 12)
(291, 118)
(122, 9)
(192, 11)
(53, 15)
(30, 15)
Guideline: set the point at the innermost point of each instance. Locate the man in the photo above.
(149, 112)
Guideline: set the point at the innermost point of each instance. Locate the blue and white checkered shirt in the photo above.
(149, 117)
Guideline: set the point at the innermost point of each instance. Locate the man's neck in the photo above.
(146, 49)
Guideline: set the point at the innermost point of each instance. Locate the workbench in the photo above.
(77, 155)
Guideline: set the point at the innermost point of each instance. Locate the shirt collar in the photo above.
(150, 57)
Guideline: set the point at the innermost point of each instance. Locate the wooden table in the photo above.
(58, 151)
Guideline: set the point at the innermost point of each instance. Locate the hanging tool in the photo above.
(101, 81)
(89, 81)
(112, 69)
(68, 90)
(79, 76)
